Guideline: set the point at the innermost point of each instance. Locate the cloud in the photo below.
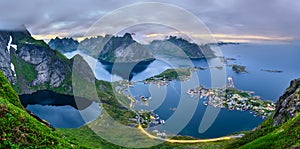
(268, 18)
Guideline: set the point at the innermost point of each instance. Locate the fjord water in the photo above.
(271, 57)
(62, 111)
(255, 57)
(268, 85)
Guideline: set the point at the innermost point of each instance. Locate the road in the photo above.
(181, 141)
(188, 141)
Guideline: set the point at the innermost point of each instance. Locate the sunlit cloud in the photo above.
(249, 38)
(224, 37)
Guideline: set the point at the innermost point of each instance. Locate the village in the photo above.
(233, 99)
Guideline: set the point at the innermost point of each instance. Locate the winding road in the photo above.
(188, 141)
(178, 141)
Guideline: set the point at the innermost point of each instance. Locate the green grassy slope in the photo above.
(19, 129)
(87, 138)
(285, 136)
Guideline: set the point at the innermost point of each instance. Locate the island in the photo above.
(273, 71)
(163, 78)
(224, 43)
(238, 68)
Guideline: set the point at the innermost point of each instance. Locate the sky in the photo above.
(275, 21)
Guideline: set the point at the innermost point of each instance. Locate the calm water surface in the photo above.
(254, 56)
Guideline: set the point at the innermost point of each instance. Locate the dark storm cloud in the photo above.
(275, 18)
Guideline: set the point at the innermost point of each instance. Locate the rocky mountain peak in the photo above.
(128, 37)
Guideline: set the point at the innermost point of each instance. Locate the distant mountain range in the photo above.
(179, 47)
(64, 45)
(126, 50)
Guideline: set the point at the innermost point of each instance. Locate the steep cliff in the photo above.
(288, 104)
(5, 62)
(32, 65)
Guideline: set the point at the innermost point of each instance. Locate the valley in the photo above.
(137, 102)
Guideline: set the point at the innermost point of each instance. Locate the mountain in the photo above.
(179, 47)
(110, 49)
(92, 46)
(32, 65)
(63, 45)
(125, 49)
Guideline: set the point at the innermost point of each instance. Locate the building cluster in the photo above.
(233, 99)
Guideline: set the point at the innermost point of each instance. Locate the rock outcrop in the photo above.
(32, 65)
(50, 69)
(288, 104)
(5, 62)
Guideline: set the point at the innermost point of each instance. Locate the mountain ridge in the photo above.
(64, 44)
(125, 49)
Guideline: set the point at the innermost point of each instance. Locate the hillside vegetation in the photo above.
(19, 129)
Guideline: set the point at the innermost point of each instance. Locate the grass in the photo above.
(265, 128)
(19, 129)
(285, 136)
(30, 40)
(26, 72)
(236, 91)
(172, 74)
(86, 138)
(7, 92)
(111, 101)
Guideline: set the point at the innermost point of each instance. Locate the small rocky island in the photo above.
(238, 68)
(272, 71)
